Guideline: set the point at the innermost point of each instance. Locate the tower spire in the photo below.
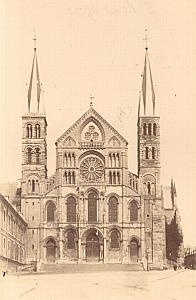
(139, 104)
(35, 70)
(147, 82)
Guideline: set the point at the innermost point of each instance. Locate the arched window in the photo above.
(117, 160)
(113, 210)
(153, 152)
(133, 211)
(114, 160)
(37, 156)
(37, 131)
(149, 129)
(154, 129)
(29, 186)
(50, 211)
(65, 159)
(118, 178)
(115, 243)
(110, 160)
(74, 160)
(110, 177)
(71, 210)
(114, 178)
(37, 186)
(69, 160)
(149, 188)
(33, 185)
(92, 207)
(69, 178)
(29, 131)
(66, 178)
(29, 155)
(70, 240)
(73, 178)
(146, 153)
(144, 129)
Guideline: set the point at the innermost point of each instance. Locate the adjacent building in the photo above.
(12, 236)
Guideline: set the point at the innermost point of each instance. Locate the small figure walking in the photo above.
(175, 266)
(3, 273)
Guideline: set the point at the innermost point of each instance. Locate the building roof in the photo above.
(8, 190)
(12, 208)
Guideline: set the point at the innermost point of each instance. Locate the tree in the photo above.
(174, 238)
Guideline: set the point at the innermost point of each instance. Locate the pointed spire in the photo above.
(139, 104)
(34, 73)
(144, 87)
(147, 83)
(173, 193)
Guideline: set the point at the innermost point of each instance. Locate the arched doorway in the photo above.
(92, 247)
(50, 250)
(134, 250)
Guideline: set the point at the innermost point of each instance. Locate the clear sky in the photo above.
(98, 47)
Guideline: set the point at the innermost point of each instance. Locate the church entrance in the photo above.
(50, 251)
(92, 247)
(134, 251)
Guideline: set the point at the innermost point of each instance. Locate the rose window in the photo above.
(91, 134)
(91, 169)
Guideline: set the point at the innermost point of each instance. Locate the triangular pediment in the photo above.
(91, 124)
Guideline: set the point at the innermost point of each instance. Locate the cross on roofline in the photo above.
(35, 39)
(91, 100)
(146, 39)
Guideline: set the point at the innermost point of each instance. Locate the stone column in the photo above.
(61, 244)
(44, 258)
(79, 250)
(83, 251)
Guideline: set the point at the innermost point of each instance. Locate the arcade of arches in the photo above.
(93, 247)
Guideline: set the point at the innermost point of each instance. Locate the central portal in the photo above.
(92, 247)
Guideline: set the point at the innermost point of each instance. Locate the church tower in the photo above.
(149, 170)
(34, 159)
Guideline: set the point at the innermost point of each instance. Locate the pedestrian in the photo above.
(175, 266)
(3, 272)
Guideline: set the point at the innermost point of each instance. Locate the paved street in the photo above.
(165, 285)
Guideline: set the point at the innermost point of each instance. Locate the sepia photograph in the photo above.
(97, 150)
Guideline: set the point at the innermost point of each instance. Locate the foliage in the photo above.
(174, 239)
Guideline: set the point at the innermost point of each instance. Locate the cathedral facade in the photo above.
(94, 209)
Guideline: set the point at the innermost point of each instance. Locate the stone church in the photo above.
(94, 209)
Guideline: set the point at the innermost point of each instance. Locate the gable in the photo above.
(91, 127)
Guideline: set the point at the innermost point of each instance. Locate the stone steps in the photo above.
(89, 267)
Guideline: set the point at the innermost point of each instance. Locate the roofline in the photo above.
(12, 208)
(95, 112)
